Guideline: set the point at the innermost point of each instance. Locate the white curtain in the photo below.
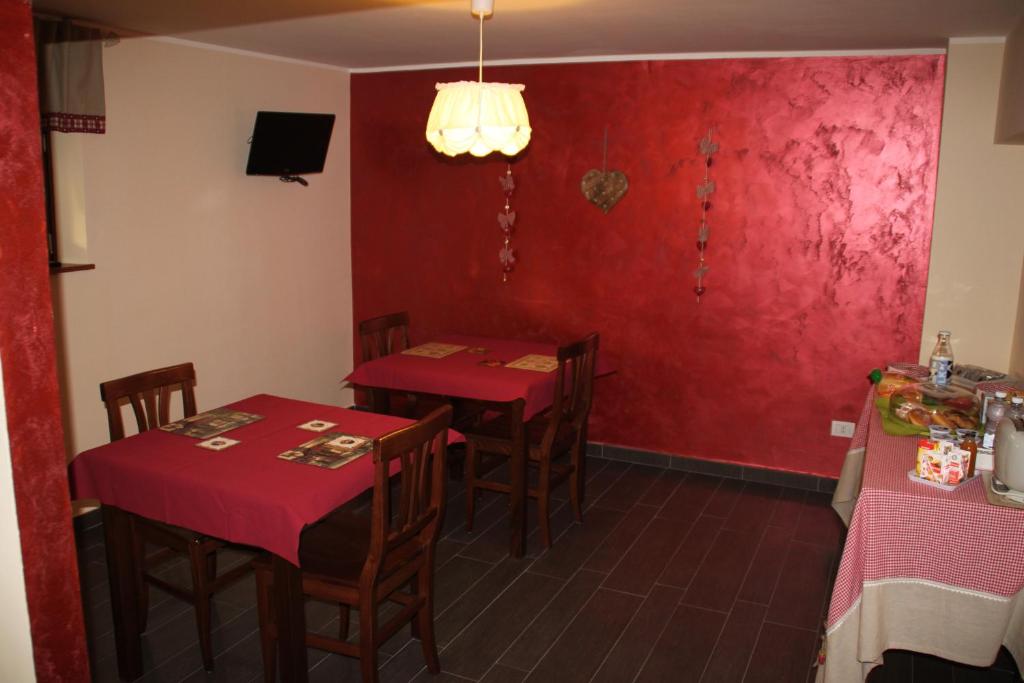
(70, 59)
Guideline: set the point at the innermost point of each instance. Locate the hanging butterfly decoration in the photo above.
(506, 222)
(704, 192)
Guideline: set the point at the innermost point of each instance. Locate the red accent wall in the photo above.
(820, 234)
(29, 374)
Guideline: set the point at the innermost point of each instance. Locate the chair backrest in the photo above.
(384, 335)
(149, 394)
(574, 387)
(407, 529)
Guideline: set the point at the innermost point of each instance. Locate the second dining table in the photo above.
(464, 367)
(245, 494)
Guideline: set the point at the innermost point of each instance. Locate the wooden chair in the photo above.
(561, 430)
(362, 561)
(149, 394)
(384, 335)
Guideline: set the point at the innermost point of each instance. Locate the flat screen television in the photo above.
(289, 144)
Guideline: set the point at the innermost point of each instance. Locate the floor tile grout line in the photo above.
(674, 551)
(623, 633)
(657, 581)
(657, 639)
(554, 641)
(636, 539)
(753, 648)
(171, 657)
(732, 607)
(583, 563)
(594, 501)
(668, 496)
(784, 625)
(564, 628)
(483, 609)
(696, 571)
(641, 494)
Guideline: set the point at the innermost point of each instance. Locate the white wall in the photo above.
(16, 663)
(1017, 354)
(248, 277)
(1010, 120)
(978, 237)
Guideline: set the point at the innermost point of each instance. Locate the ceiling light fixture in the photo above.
(479, 117)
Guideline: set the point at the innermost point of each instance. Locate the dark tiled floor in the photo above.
(672, 577)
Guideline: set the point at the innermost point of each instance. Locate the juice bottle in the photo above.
(941, 364)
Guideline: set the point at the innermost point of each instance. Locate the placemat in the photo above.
(434, 350)
(536, 362)
(211, 423)
(329, 451)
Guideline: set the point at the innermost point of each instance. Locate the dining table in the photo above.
(474, 369)
(923, 569)
(243, 494)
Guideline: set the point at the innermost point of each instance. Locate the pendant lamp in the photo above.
(478, 117)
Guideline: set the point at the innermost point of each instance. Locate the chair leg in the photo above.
(141, 588)
(576, 481)
(211, 567)
(201, 600)
(265, 607)
(368, 641)
(544, 503)
(424, 621)
(470, 476)
(344, 615)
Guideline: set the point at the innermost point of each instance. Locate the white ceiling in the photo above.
(368, 34)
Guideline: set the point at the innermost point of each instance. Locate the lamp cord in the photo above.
(480, 73)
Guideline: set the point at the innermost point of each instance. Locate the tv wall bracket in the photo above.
(294, 179)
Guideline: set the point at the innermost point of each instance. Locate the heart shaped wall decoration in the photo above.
(604, 188)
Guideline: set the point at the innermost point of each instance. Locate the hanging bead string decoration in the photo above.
(704, 192)
(507, 221)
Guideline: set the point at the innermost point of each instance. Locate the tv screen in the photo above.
(289, 144)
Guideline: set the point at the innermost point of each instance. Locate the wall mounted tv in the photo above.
(288, 144)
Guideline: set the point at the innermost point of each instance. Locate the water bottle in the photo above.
(993, 416)
(1016, 407)
(941, 364)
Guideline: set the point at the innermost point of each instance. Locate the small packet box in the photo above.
(941, 461)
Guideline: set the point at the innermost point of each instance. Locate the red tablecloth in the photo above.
(905, 530)
(244, 494)
(461, 374)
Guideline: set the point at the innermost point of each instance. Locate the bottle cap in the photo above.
(945, 332)
(1000, 394)
(1017, 399)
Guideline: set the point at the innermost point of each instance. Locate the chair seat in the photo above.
(184, 535)
(336, 546)
(495, 433)
(364, 560)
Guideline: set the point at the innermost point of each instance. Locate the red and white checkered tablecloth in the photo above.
(905, 530)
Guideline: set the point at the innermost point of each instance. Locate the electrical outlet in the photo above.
(840, 428)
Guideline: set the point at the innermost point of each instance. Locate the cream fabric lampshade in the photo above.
(478, 118)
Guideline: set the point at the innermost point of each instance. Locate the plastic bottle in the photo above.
(994, 414)
(941, 364)
(1016, 407)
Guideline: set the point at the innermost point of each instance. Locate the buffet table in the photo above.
(923, 569)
